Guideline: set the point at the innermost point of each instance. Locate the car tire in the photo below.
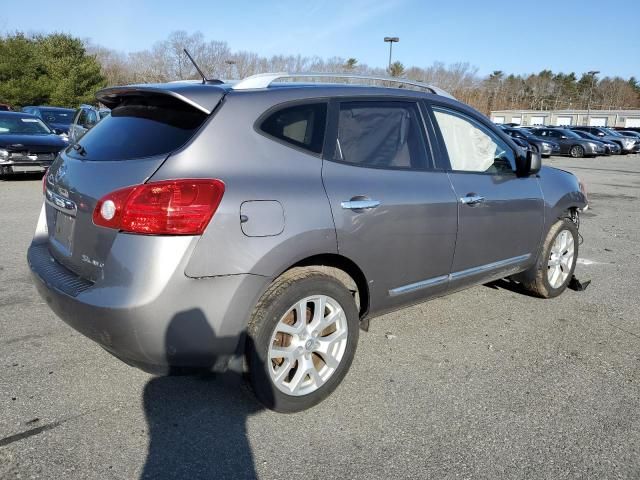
(316, 351)
(553, 271)
(576, 151)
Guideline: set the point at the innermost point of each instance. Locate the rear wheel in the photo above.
(576, 151)
(557, 262)
(302, 339)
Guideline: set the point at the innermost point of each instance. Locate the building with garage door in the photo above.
(596, 118)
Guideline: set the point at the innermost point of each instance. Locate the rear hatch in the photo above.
(146, 125)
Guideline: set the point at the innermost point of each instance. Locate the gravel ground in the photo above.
(485, 383)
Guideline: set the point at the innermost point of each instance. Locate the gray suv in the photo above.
(258, 226)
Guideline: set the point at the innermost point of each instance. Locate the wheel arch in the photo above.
(344, 270)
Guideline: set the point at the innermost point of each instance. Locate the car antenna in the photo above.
(205, 80)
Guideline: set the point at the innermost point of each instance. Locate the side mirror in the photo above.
(563, 137)
(57, 131)
(600, 134)
(533, 162)
(529, 164)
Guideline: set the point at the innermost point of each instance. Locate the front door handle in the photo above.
(359, 204)
(471, 199)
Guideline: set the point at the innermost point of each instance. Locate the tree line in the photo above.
(47, 70)
(63, 70)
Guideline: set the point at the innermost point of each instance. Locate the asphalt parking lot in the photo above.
(485, 383)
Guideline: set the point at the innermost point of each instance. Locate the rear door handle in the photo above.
(359, 204)
(471, 199)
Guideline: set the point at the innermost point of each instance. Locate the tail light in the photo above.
(172, 207)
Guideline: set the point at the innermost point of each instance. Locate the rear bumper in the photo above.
(185, 324)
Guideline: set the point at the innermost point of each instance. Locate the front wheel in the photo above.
(576, 151)
(557, 262)
(301, 340)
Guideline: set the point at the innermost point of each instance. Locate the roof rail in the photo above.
(264, 80)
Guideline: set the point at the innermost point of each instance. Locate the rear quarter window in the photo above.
(302, 126)
(140, 127)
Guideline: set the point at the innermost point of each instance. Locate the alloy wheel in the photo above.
(307, 345)
(560, 259)
(577, 152)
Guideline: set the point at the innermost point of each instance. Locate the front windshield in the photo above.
(57, 116)
(18, 125)
(519, 131)
(611, 132)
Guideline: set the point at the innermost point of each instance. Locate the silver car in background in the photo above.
(84, 119)
(261, 225)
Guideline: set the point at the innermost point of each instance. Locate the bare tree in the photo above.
(165, 61)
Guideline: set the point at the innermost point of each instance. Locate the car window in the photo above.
(299, 125)
(140, 127)
(471, 146)
(92, 118)
(82, 118)
(57, 116)
(18, 125)
(381, 134)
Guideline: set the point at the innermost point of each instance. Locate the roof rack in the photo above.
(264, 80)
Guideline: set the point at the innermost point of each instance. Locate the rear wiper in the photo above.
(80, 149)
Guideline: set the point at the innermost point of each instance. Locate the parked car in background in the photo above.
(610, 148)
(4, 107)
(629, 133)
(268, 222)
(570, 142)
(627, 144)
(545, 146)
(85, 118)
(27, 144)
(58, 118)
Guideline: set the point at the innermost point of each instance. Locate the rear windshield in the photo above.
(57, 116)
(140, 127)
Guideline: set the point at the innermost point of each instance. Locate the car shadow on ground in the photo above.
(509, 285)
(197, 424)
(197, 428)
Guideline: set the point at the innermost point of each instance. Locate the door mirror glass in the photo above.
(533, 162)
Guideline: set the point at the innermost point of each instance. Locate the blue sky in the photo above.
(513, 36)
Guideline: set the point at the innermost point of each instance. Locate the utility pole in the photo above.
(391, 40)
(593, 74)
(229, 69)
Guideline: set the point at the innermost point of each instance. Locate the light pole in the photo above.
(230, 63)
(593, 74)
(391, 40)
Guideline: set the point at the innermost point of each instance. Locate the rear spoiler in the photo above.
(203, 97)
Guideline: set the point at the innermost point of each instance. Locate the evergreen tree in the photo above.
(47, 70)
